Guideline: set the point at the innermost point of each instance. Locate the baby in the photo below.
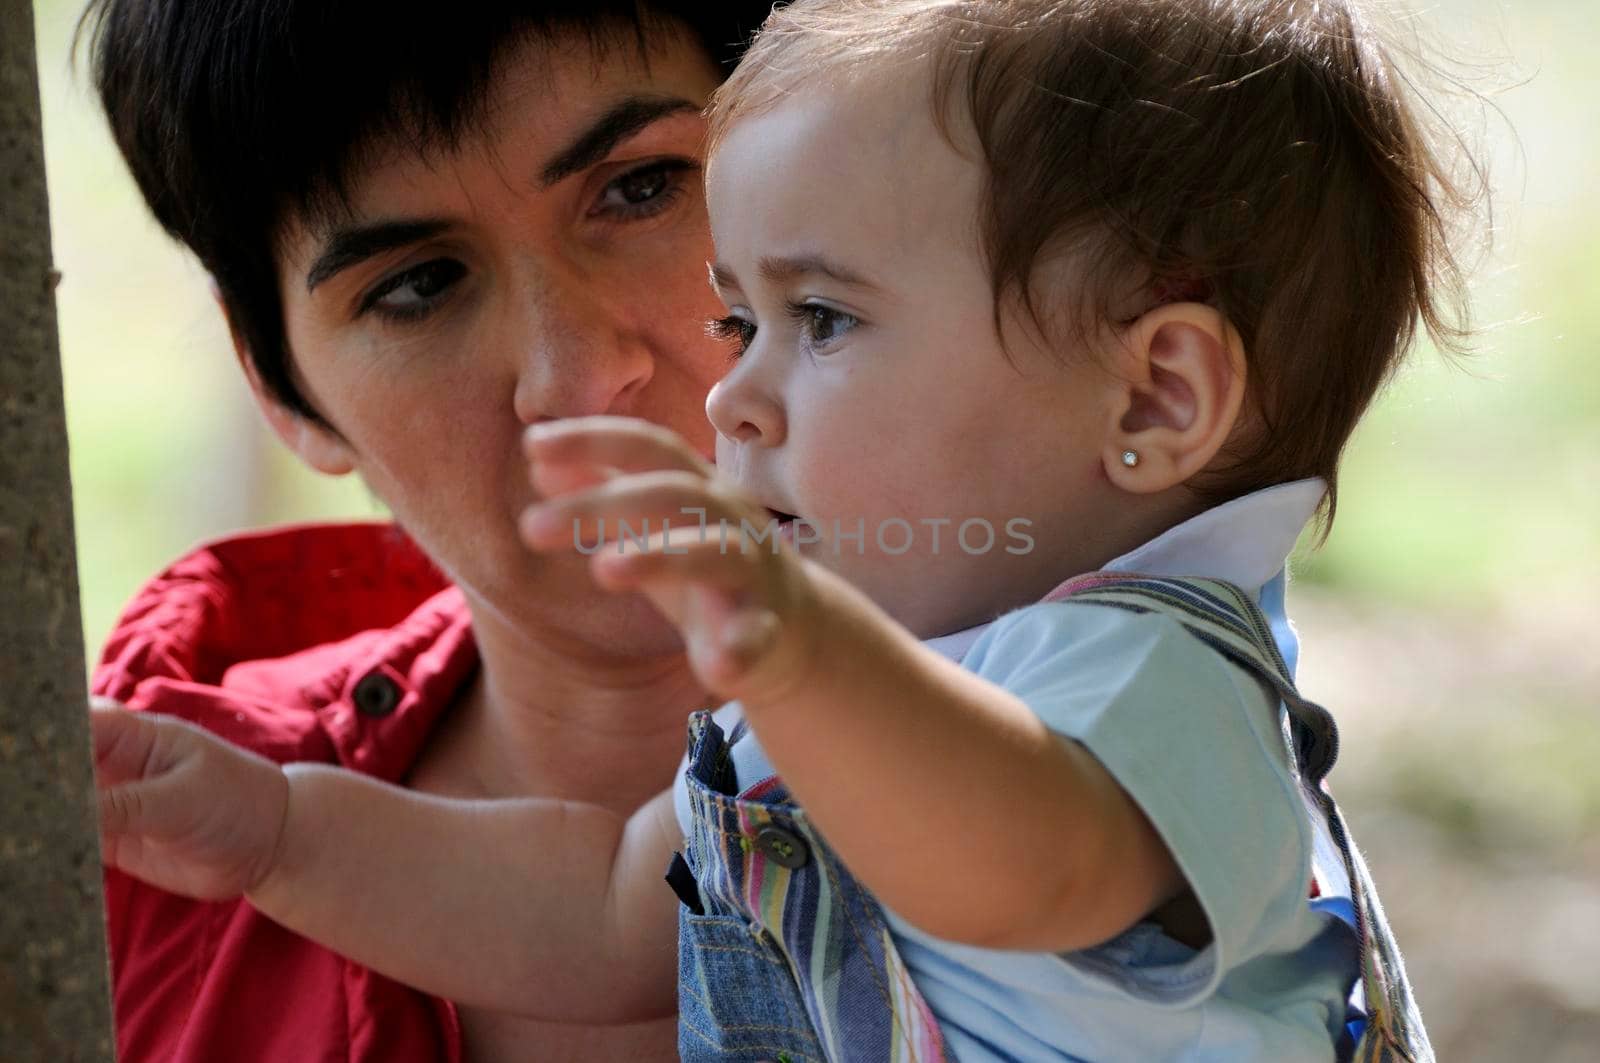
(1017, 292)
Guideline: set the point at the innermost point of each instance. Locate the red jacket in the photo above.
(339, 644)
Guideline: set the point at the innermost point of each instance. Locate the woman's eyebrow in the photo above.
(345, 247)
(620, 121)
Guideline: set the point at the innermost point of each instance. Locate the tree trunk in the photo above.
(54, 998)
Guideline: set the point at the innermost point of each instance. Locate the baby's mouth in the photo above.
(784, 523)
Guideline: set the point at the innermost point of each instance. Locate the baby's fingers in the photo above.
(124, 741)
(154, 771)
(122, 809)
(162, 807)
(135, 797)
(705, 557)
(626, 444)
(633, 507)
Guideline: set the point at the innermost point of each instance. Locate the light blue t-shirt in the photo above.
(1196, 743)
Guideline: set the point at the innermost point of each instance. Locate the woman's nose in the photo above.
(577, 355)
(744, 406)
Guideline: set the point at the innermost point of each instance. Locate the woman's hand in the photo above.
(656, 518)
(182, 809)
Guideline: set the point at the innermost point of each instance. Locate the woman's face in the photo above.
(555, 266)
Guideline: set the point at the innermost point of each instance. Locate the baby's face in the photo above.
(873, 395)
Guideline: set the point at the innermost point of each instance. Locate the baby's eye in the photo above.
(734, 330)
(822, 324)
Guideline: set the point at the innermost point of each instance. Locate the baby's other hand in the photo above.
(180, 808)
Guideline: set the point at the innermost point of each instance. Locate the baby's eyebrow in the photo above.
(780, 269)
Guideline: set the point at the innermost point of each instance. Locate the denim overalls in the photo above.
(782, 956)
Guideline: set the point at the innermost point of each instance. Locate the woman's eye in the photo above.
(415, 292)
(645, 191)
(734, 330)
(822, 324)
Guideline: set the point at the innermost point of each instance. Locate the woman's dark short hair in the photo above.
(235, 115)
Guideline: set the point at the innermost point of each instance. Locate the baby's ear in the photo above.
(319, 446)
(1181, 369)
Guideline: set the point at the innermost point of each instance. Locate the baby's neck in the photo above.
(1141, 519)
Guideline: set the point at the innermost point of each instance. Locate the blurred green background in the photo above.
(1450, 621)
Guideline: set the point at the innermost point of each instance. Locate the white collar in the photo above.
(1244, 541)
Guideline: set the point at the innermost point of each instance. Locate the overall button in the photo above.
(782, 847)
(376, 695)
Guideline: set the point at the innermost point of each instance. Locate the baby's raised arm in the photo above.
(854, 712)
(544, 908)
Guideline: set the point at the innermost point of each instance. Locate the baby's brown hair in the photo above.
(1263, 156)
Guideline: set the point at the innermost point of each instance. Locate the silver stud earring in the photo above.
(1130, 458)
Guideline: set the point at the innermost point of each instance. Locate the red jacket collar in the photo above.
(324, 642)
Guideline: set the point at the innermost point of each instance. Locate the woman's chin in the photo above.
(557, 595)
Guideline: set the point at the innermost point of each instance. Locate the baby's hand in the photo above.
(182, 809)
(745, 607)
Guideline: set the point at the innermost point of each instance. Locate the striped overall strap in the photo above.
(1227, 619)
